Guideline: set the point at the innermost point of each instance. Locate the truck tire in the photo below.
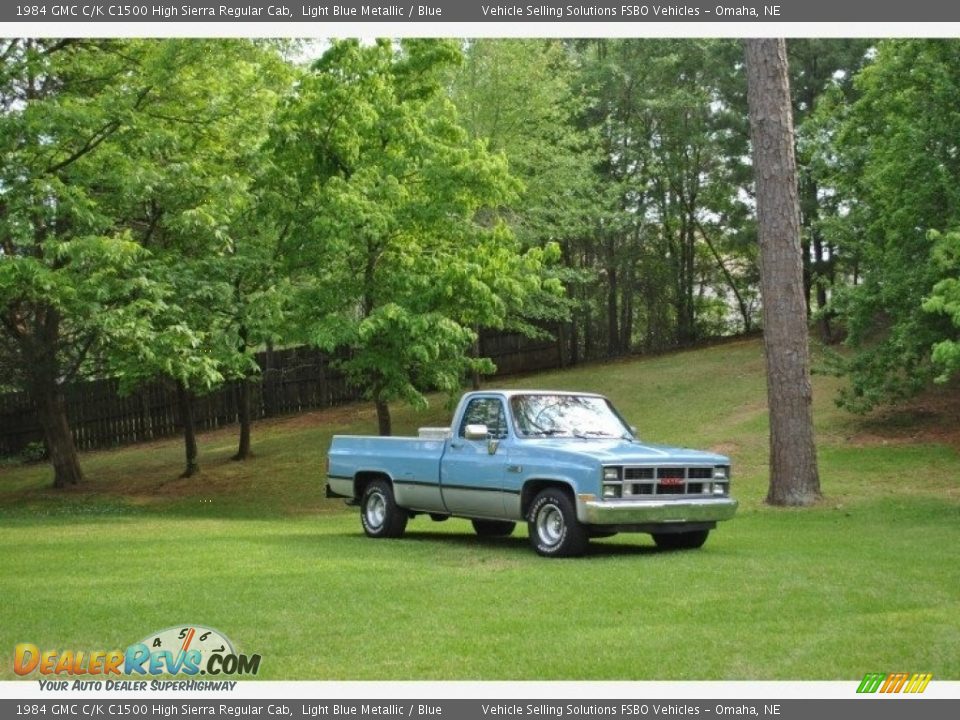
(681, 541)
(379, 514)
(553, 526)
(493, 528)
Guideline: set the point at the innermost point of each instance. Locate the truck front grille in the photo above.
(653, 481)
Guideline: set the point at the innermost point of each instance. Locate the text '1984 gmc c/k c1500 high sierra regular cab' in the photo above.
(566, 463)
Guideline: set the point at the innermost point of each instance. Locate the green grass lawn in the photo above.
(868, 580)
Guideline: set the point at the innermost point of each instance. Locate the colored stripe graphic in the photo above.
(918, 683)
(871, 682)
(892, 683)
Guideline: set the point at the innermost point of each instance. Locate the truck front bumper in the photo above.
(655, 512)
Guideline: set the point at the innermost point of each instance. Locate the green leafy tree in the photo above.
(100, 195)
(394, 245)
(210, 236)
(519, 97)
(71, 271)
(897, 171)
(820, 70)
(672, 163)
(945, 300)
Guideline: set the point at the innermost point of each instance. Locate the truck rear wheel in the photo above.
(379, 514)
(493, 528)
(553, 526)
(681, 541)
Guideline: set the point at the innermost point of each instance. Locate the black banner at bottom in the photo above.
(874, 708)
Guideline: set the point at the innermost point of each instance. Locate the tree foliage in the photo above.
(107, 146)
(395, 244)
(169, 207)
(897, 170)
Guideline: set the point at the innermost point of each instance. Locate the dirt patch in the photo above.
(746, 412)
(933, 417)
(726, 448)
(341, 415)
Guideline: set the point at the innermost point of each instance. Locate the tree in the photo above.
(896, 170)
(217, 230)
(71, 272)
(819, 69)
(794, 478)
(668, 235)
(519, 98)
(945, 300)
(394, 246)
(121, 172)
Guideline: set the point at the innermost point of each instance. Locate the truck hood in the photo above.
(626, 452)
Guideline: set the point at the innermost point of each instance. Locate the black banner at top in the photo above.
(476, 11)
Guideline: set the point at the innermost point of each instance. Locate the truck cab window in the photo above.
(486, 411)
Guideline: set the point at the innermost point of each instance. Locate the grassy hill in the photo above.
(866, 581)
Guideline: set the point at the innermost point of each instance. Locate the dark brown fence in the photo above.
(292, 380)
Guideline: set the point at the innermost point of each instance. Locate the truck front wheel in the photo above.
(553, 527)
(379, 514)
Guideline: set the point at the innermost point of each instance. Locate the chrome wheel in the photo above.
(375, 510)
(379, 514)
(550, 524)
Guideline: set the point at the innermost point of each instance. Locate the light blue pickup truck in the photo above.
(566, 463)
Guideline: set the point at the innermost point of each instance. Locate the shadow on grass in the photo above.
(515, 544)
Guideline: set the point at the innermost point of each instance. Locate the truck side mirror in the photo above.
(476, 432)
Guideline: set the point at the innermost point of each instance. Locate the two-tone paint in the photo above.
(496, 478)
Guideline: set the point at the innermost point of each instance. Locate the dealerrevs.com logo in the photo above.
(190, 650)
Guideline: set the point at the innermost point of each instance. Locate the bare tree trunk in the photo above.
(613, 331)
(243, 415)
(821, 280)
(744, 310)
(794, 479)
(243, 409)
(43, 373)
(52, 413)
(269, 382)
(185, 400)
(384, 423)
(475, 352)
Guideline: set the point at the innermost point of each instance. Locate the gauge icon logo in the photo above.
(190, 649)
(184, 638)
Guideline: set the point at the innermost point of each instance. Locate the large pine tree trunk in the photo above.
(794, 479)
(185, 400)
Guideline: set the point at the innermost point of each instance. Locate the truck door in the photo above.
(471, 478)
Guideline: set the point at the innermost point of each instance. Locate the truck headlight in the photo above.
(721, 472)
(611, 473)
(719, 489)
(611, 491)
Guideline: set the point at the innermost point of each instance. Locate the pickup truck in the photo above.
(565, 462)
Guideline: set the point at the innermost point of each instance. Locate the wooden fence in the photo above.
(292, 380)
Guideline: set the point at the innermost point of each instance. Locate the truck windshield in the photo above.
(566, 415)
